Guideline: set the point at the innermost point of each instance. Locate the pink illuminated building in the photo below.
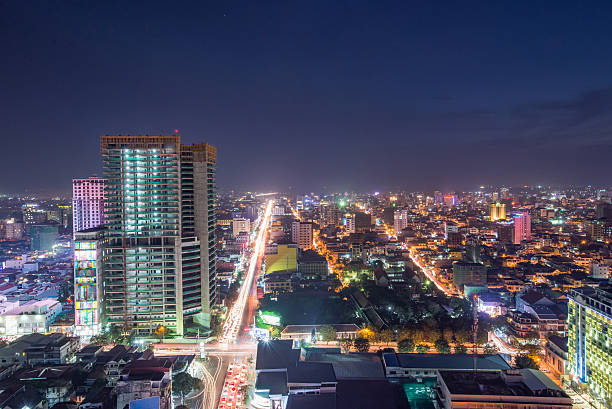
(87, 203)
(522, 227)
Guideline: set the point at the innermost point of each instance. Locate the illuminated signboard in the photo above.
(85, 255)
(85, 245)
(270, 319)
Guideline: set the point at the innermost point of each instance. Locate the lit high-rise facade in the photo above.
(590, 339)
(198, 220)
(88, 296)
(159, 217)
(522, 227)
(498, 211)
(87, 203)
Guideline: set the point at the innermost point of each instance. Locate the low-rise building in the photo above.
(511, 389)
(420, 366)
(29, 318)
(555, 354)
(304, 332)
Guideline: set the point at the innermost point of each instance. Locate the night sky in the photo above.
(337, 95)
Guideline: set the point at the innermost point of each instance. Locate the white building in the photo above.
(600, 270)
(400, 220)
(29, 318)
(241, 225)
(301, 233)
(87, 203)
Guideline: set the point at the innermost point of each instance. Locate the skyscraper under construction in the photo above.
(159, 259)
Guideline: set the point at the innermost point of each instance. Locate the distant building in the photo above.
(363, 222)
(301, 233)
(240, 225)
(450, 227)
(505, 232)
(497, 211)
(33, 214)
(282, 259)
(13, 230)
(600, 229)
(42, 236)
(473, 274)
(522, 227)
(311, 263)
(400, 220)
(87, 203)
(450, 200)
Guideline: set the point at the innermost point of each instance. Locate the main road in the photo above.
(233, 343)
(236, 314)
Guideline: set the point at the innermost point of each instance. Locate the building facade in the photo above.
(301, 234)
(522, 227)
(87, 203)
(159, 218)
(88, 301)
(589, 336)
(497, 211)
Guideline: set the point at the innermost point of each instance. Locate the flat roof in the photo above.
(276, 354)
(446, 361)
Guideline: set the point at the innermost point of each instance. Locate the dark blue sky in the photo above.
(337, 94)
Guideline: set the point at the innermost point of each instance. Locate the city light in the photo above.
(231, 328)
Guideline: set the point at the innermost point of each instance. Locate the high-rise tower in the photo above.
(522, 227)
(198, 219)
(87, 203)
(159, 261)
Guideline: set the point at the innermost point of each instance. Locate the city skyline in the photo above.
(335, 96)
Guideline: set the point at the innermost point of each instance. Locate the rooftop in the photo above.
(525, 382)
(446, 361)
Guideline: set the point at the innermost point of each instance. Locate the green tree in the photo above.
(345, 344)
(274, 332)
(422, 348)
(65, 291)
(115, 334)
(101, 339)
(418, 334)
(460, 349)
(525, 361)
(78, 377)
(362, 344)
(431, 334)
(447, 334)
(216, 324)
(530, 349)
(387, 335)
(406, 345)
(328, 333)
(490, 349)
(442, 346)
(161, 332)
(183, 383)
(462, 335)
